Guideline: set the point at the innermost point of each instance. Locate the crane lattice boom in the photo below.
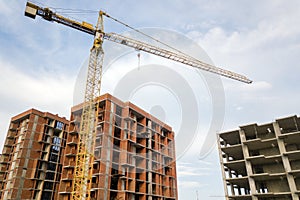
(178, 57)
(85, 155)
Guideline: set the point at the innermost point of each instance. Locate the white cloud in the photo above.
(46, 91)
(190, 173)
(191, 185)
(254, 88)
(185, 171)
(257, 86)
(44, 87)
(253, 50)
(203, 176)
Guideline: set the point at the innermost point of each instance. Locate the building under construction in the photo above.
(30, 164)
(134, 155)
(261, 162)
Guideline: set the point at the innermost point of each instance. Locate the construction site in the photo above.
(134, 156)
(114, 150)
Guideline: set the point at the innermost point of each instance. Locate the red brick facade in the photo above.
(134, 155)
(30, 164)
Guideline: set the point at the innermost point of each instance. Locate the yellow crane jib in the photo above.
(33, 10)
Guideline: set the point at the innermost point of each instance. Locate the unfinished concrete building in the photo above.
(134, 154)
(261, 162)
(30, 163)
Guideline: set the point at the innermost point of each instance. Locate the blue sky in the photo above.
(40, 61)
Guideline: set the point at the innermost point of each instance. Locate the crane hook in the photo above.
(139, 58)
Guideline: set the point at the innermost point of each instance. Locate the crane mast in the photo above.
(85, 155)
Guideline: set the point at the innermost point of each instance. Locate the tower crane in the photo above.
(81, 186)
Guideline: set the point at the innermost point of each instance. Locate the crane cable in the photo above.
(148, 36)
(83, 11)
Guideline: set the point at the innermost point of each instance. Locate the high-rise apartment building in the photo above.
(30, 163)
(134, 154)
(262, 162)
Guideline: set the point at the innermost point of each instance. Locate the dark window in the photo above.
(118, 121)
(99, 141)
(153, 126)
(94, 180)
(119, 110)
(46, 195)
(140, 128)
(50, 176)
(51, 166)
(53, 157)
(48, 185)
(97, 153)
(258, 169)
(117, 133)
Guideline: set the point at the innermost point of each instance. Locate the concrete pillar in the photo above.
(109, 151)
(286, 163)
(222, 168)
(248, 165)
